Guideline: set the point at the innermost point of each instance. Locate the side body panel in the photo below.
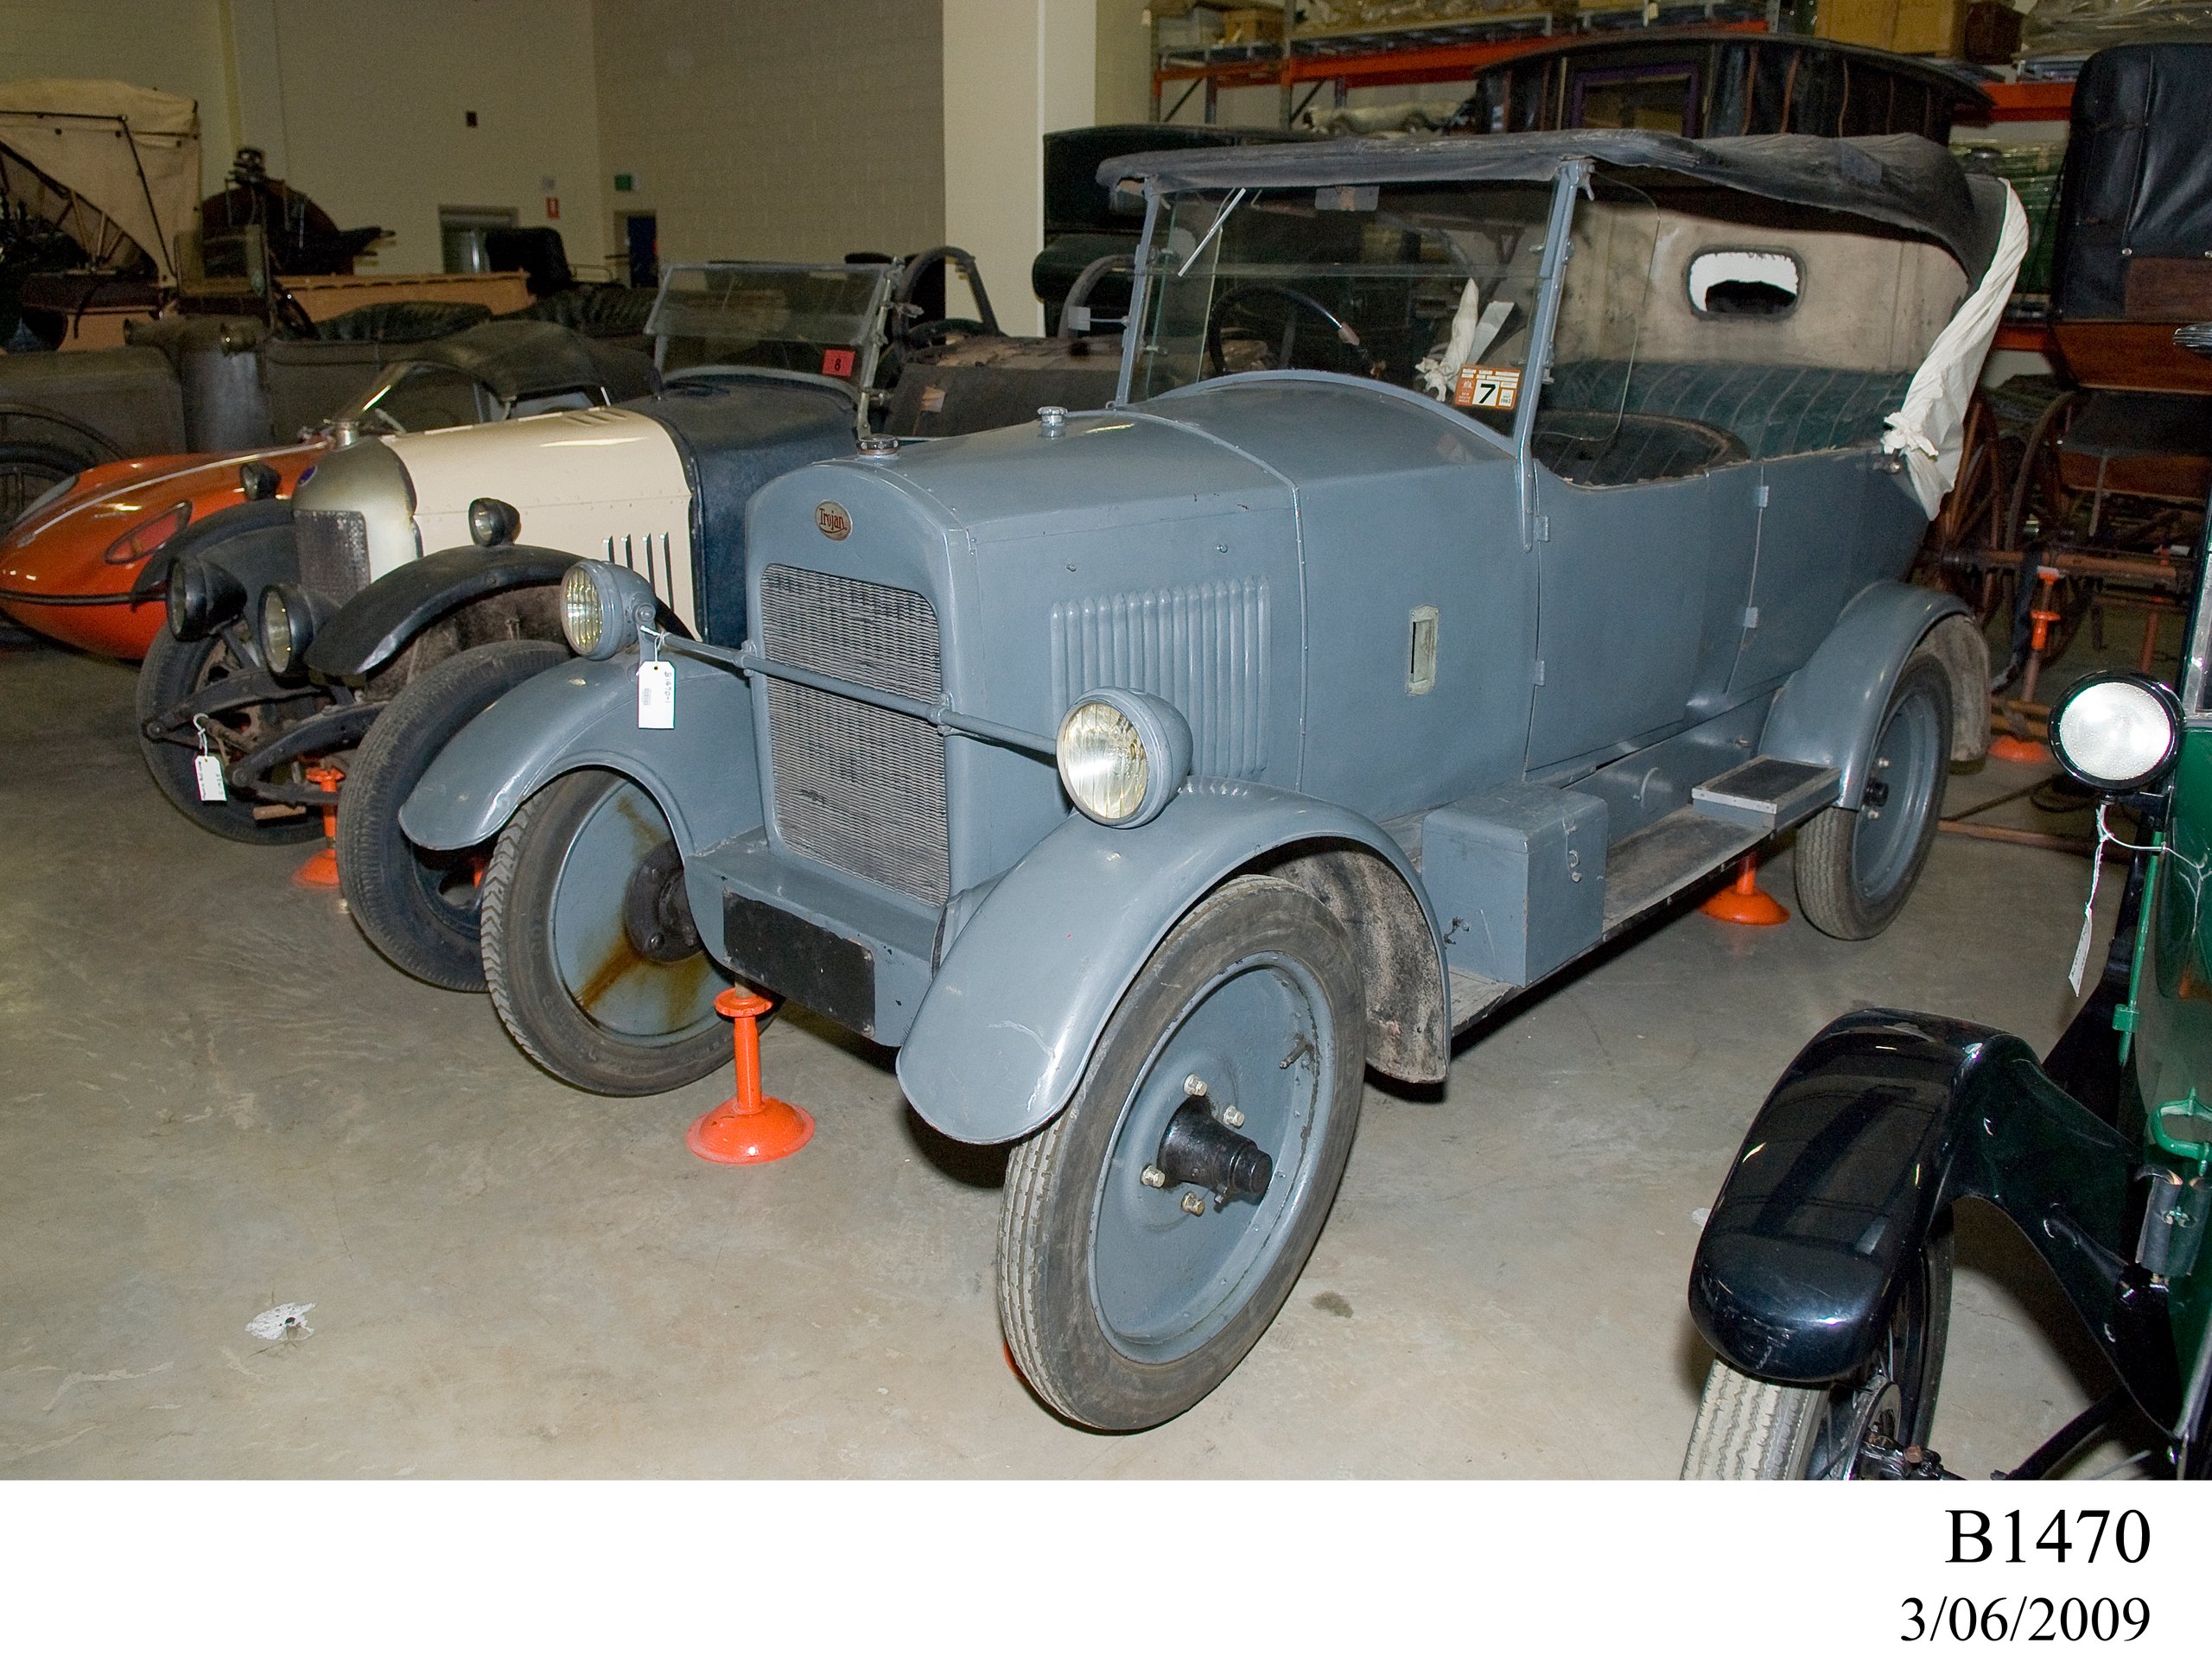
(1632, 577)
(1403, 511)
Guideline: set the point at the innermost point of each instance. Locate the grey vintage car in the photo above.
(1492, 538)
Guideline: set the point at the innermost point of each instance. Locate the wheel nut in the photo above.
(1193, 1205)
(1152, 1178)
(1193, 1086)
(1232, 1118)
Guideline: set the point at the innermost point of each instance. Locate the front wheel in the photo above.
(173, 671)
(419, 906)
(589, 950)
(1856, 869)
(1152, 1230)
(1753, 1429)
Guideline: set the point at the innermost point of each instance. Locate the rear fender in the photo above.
(1829, 713)
(376, 624)
(1036, 970)
(584, 714)
(1881, 1123)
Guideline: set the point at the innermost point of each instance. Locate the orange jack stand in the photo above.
(749, 1129)
(1745, 902)
(2016, 747)
(320, 871)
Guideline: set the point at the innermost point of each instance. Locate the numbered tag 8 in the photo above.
(657, 694)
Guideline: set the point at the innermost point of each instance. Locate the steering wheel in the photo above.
(1342, 343)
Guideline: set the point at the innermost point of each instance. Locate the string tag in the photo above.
(2090, 906)
(656, 684)
(208, 768)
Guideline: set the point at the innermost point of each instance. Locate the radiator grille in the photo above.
(333, 552)
(881, 638)
(858, 788)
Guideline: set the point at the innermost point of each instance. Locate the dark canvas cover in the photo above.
(2138, 182)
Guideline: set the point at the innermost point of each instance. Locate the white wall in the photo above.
(794, 129)
(1014, 70)
(365, 101)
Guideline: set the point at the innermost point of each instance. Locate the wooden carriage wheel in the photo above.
(1972, 519)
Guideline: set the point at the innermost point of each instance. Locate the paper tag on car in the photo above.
(657, 694)
(208, 772)
(1487, 388)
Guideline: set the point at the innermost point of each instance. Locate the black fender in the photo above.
(376, 624)
(1883, 1121)
(252, 541)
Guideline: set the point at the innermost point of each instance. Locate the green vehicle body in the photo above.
(2100, 1153)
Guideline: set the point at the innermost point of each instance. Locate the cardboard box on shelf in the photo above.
(1936, 27)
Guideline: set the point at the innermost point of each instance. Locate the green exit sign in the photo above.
(625, 181)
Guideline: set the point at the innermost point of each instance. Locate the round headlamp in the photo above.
(602, 607)
(1122, 755)
(492, 523)
(2116, 732)
(201, 599)
(284, 627)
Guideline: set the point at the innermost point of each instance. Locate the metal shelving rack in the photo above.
(1308, 60)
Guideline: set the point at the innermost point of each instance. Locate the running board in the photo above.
(1767, 792)
(1728, 816)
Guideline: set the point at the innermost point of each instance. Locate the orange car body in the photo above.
(66, 568)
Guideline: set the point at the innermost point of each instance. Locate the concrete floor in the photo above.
(215, 1097)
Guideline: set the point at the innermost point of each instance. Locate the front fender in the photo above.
(584, 714)
(1829, 712)
(370, 629)
(252, 541)
(1010, 1020)
(1881, 1121)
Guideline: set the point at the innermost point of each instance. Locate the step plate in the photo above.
(1766, 793)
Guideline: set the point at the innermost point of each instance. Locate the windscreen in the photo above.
(420, 398)
(1429, 287)
(812, 319)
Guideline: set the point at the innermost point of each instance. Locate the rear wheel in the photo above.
(27, 471)
(1753, 1429)
(1856, 868)
(420, 906)
(1152, 1230)
(589, 950)
(173, 672)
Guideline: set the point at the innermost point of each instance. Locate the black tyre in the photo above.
(173, 671)
(1125, 1294)
(418, 906)
(27, 471)
(1753, 1429)
(589, 950)
(1855, 870)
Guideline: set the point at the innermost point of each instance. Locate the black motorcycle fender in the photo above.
(1882, 1120)
(1839, 1178)
(376, 624)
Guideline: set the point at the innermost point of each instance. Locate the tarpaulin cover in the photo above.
(2139, 172)
(129, 154)
(1929, 429)
(1896, 178)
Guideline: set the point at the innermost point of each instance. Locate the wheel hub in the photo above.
(1199, 1149)
(655, 912)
